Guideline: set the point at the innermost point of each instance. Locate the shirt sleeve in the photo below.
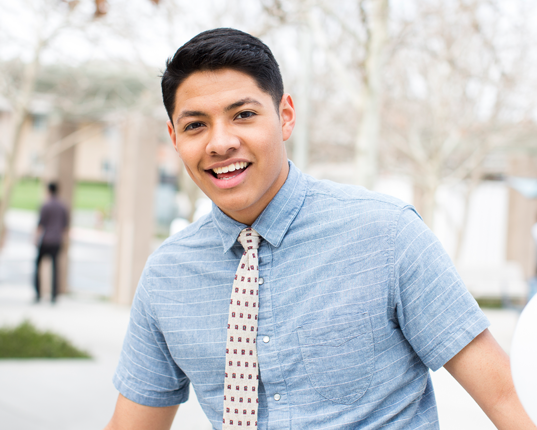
(435, 311)
(146, 373)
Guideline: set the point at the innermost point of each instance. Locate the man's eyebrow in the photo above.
(189, 113)
(241, 102)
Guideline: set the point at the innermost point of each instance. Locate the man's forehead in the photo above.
(221, 89)
(207, 81)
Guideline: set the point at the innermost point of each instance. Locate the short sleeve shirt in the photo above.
(358, 301)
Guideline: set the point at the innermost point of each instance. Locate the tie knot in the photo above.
(249, 239)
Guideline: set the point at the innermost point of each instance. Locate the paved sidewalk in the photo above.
(79, 395)
(69, 394)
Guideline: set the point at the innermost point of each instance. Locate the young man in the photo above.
(347, 298)
(49, 236)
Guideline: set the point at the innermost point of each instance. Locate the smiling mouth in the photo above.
(228, 172)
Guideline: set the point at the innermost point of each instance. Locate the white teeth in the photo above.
(231, 168)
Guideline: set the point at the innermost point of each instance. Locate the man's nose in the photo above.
(222, 141)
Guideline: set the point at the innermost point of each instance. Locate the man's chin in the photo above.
(239, 209)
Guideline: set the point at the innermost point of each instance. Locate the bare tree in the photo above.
(369, 129)
(355, 55)
(21, 95)
(50, 21)
(454, 96)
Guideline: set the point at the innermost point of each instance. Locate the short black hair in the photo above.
(53, 188)
(222, 48)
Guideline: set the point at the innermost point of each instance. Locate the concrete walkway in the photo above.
(79, 395)
(69, 394)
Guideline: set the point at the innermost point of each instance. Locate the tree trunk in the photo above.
(301, 134)
(20, 116)
(425, 202)
(10, 172)
(474, 181)
(522, 215)
(366, 146)
(59, 168)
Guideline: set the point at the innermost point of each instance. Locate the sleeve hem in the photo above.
(150, 399)
(453, 345)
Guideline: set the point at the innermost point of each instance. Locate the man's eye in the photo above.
(245, 114)
(193, 126)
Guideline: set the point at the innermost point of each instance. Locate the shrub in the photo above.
(26, 341)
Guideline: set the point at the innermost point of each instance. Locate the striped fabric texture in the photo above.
(357, 301)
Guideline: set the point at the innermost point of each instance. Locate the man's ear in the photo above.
(287, 116)
(173, 137)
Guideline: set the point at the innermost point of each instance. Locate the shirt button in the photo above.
(277, 397)
(261, 280)
(266, 339)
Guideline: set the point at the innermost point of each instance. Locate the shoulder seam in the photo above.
(310, 191)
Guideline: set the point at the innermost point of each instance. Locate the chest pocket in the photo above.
(339, 356)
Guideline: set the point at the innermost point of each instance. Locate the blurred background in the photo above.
(429, 101)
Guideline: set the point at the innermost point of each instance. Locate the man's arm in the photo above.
(483, 370)
(129, 415)
(37, 235)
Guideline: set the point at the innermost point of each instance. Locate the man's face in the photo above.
(231, 140)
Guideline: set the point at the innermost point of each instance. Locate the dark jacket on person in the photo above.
(54, 219)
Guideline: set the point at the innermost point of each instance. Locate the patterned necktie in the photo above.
(240, 385)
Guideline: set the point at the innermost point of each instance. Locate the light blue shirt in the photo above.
(358, 301)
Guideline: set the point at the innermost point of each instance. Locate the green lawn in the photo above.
(26, 341)
(91, 195)
(30, 193)
(26, 194)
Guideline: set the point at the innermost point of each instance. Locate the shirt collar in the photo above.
(275, 220)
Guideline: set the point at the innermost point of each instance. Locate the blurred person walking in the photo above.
(53, 223)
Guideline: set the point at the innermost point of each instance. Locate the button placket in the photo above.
(269, 365)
